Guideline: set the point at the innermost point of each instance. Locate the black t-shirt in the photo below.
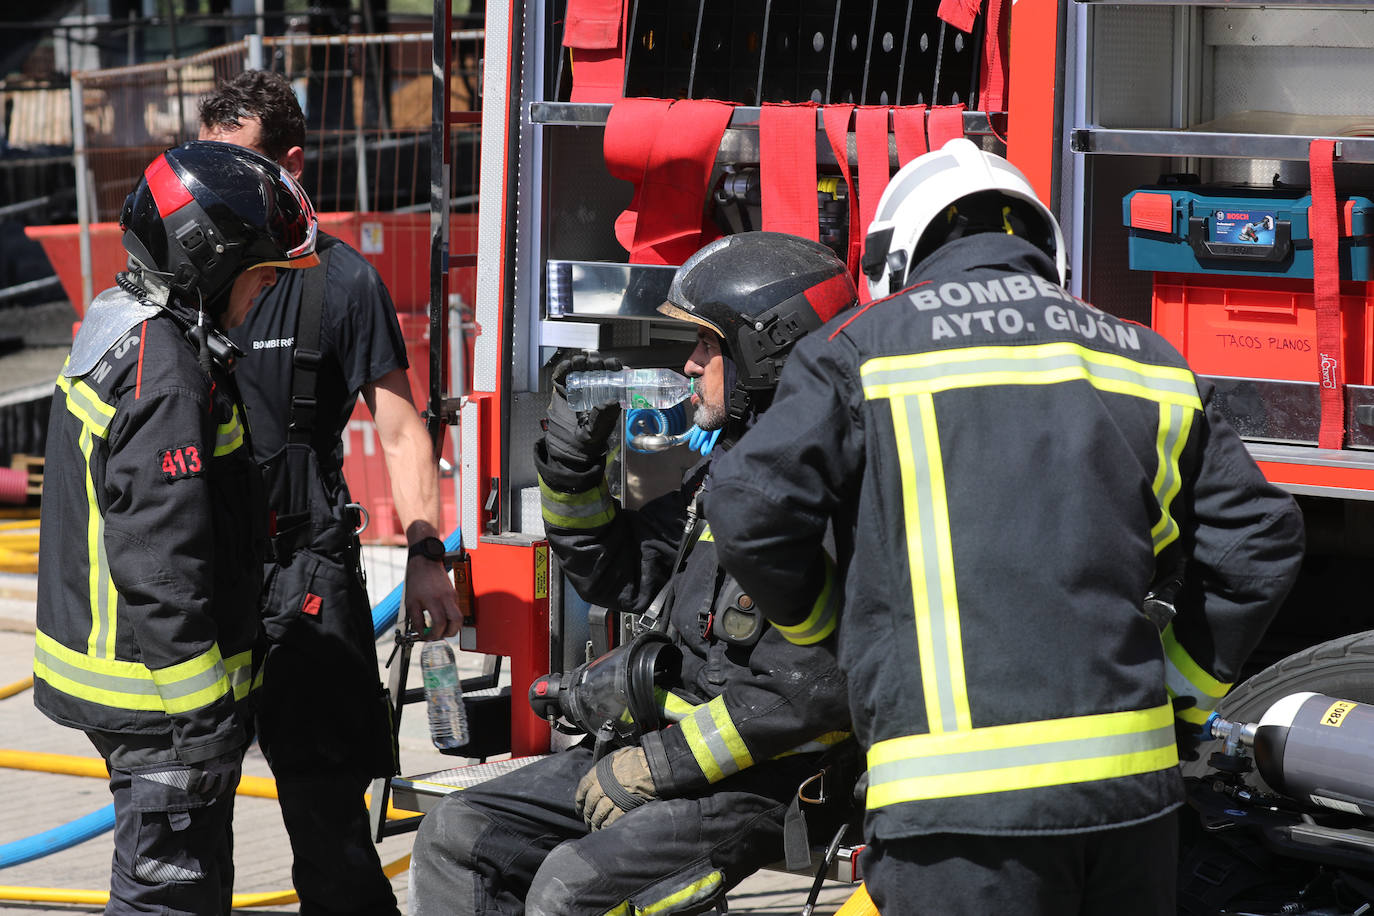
(360, 341)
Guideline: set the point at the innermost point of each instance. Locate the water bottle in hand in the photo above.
(448, 719)
(656, 388)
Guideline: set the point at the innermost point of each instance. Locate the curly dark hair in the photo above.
(258, 94)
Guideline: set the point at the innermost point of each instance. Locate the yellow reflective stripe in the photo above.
(1174, 425)
(822, 743)
(1024, 755)
(706, 534)
(1037, 364)
(229, 436)
(671, 706)
(194, 683)
(1185, 677)
(930, 561)
(590, 509)
(715, 742)
(620, 909)
(824, 616)
(701, 889)
(109, 682)
(83, 403)
(239, 668)
(102, 595)
(132, 685)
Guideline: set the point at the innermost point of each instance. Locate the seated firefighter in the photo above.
(677, 815)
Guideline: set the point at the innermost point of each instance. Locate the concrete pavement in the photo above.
(33, 801)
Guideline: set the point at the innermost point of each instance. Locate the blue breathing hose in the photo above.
(82, 829)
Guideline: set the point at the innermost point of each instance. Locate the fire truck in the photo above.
(1209, 164)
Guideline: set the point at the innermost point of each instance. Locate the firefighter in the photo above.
(323, 339)
(154, 520)
(668, 824)
(1016, 470)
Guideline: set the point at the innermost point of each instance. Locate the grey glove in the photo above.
(620, 781)
(578, 438)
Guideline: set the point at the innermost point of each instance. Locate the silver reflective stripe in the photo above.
(155, 872)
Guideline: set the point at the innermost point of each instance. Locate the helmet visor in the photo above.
(294, 224)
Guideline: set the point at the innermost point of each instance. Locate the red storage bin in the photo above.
(1260, 327)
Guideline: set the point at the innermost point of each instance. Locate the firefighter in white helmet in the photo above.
(1015, 471)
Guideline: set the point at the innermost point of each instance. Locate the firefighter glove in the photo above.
(578, 437)
(620, 781)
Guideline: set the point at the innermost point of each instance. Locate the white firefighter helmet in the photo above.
(943, 194)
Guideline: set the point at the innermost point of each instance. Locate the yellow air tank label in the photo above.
(1337, 712)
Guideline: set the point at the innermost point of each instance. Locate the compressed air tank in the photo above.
(1318, 749)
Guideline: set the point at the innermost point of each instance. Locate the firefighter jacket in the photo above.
(733, 705)
(1017, 470)
(150, 547)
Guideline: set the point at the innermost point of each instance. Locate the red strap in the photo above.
(959, 13)
(946, 123)
(870, 137)
(836, 119)
(667, 149)
(594, 24)
(1324, 227)
(630, 130)
(594, 31)
(909, 124)
(787, 168)
(992, 70)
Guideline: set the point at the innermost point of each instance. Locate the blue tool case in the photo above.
(1238, 230)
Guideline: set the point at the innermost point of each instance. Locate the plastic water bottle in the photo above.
(448, 719)
(656, 388)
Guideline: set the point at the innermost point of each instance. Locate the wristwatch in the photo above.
(430, 548)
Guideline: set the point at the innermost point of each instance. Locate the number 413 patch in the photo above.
(180, 462)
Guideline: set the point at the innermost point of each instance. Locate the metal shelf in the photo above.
(583, 114)
(1179, 143)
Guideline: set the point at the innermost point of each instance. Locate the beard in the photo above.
(709, 416)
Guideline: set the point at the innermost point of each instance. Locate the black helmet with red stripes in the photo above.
(205, 212)
(761, 292)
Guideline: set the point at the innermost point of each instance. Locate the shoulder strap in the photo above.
(306, 353)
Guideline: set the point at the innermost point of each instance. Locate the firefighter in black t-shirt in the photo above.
(324, 723)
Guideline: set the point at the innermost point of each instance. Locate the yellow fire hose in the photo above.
(17, 687)
(19, 546)
(100, 898)
(69, 765)
(858, 904)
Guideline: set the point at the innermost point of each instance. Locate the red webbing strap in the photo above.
(1323, 222)
(870, 138)
(992, 69)
(594, 33)
(946, 122)
(959, 13)
(909, 124)
(787, 169)
(836, 119)
(631, 128)
(673, 223)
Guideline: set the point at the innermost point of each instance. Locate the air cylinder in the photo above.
(1315, 748)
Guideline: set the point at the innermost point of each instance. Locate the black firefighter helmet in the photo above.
(205, 212)
(761, 292)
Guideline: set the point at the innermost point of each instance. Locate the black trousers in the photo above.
(1125, 871)
(324, 727)
(516, 844)
(173, 833)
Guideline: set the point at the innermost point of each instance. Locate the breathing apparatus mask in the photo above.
(611, 697)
